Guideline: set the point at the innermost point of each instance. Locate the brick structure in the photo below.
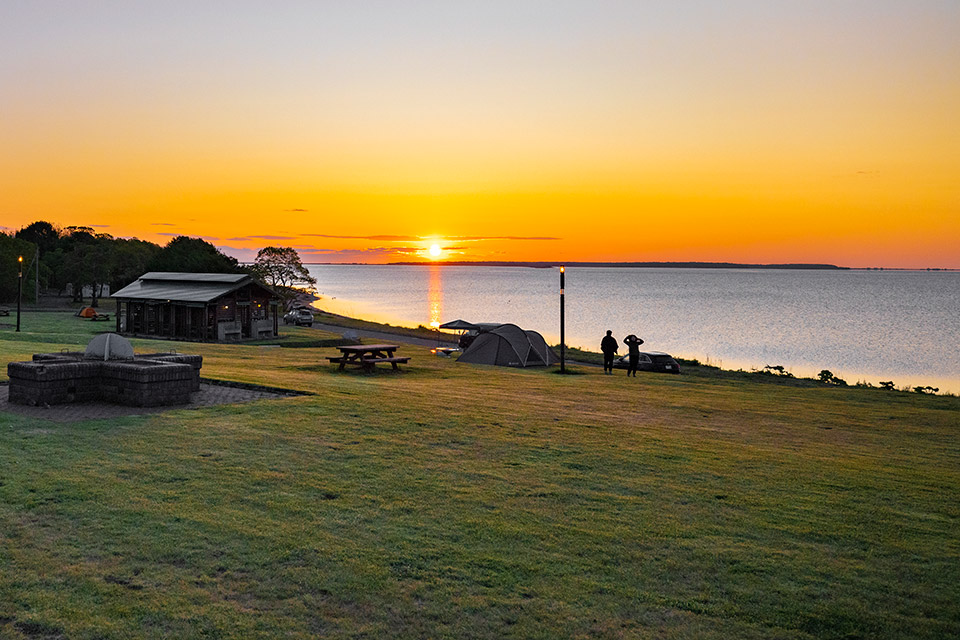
(143, 381)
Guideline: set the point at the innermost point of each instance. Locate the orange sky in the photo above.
(804, 132)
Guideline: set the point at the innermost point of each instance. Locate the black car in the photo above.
(298, 317)
(650, 361)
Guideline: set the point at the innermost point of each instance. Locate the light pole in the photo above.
(562, 345)
(19, 288)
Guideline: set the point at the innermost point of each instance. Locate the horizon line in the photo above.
(637, 264)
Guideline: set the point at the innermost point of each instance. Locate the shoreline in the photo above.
(689, 366)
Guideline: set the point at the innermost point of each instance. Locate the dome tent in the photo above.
(508, 345)
(538, 344)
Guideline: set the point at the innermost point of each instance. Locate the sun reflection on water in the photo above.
(435, 296)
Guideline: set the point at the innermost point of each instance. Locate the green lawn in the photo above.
(477, 502)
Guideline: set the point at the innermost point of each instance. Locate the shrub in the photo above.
(778, 370)
(926, 389)
(826, 376)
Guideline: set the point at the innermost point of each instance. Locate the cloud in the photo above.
(247, 238)
(393, 238)
(296, 209)
(177, 235)
(358, 255)
(162, 224)
(100, 226)
(479, 238)
(380, 238)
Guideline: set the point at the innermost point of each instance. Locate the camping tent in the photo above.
(539, 345)
(510, 346)
(86, 312)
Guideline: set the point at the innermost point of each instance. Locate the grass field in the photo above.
(465, 501)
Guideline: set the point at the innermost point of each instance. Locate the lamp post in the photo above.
(562, 345)
(19, 288)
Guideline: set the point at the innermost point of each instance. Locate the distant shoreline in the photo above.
(648, 265)
(641, 265)
(645, 265)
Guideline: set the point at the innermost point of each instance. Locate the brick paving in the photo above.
(208, 395)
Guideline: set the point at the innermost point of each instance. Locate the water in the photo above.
(861, 325)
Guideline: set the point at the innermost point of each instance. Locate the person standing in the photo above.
(609, 347)
(633, 350)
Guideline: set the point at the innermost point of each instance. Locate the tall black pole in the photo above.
(19, 289)
(562, 345)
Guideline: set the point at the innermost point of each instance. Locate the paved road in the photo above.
(380, 336)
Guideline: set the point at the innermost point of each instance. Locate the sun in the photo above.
(435, 250)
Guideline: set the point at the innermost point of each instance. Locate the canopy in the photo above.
(458, 325)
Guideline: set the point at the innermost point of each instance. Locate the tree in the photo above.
(193, 255)
(129, 261)
(281, 268)
(87, 257)
(10, 249)
(41, 233)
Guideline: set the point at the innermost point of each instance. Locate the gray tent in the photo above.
(510, 346)
(539, 345)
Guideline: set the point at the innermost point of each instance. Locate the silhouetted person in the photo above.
(633, 350)
(609, 347)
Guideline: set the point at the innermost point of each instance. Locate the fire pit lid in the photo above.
(109, 346)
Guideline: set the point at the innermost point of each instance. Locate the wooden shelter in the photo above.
(213, 307)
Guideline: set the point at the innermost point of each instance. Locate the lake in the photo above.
(861, 325)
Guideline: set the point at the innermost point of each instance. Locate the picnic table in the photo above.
(368, 356)
(4, 311)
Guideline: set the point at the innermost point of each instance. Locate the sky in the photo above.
(368, 131)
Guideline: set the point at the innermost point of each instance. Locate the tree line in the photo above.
(78, 258)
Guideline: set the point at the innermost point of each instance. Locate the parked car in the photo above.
(650, 361)
(299, 317)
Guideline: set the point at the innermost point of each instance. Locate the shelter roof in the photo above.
(459, 325)
(185, 287)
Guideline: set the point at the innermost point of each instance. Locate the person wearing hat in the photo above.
(633, 349)
(609, 347)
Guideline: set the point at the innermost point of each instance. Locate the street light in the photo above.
(562, 346)
(19, 288)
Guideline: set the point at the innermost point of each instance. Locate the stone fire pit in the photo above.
(107, 371)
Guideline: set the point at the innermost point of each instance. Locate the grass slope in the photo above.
(465, 501)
